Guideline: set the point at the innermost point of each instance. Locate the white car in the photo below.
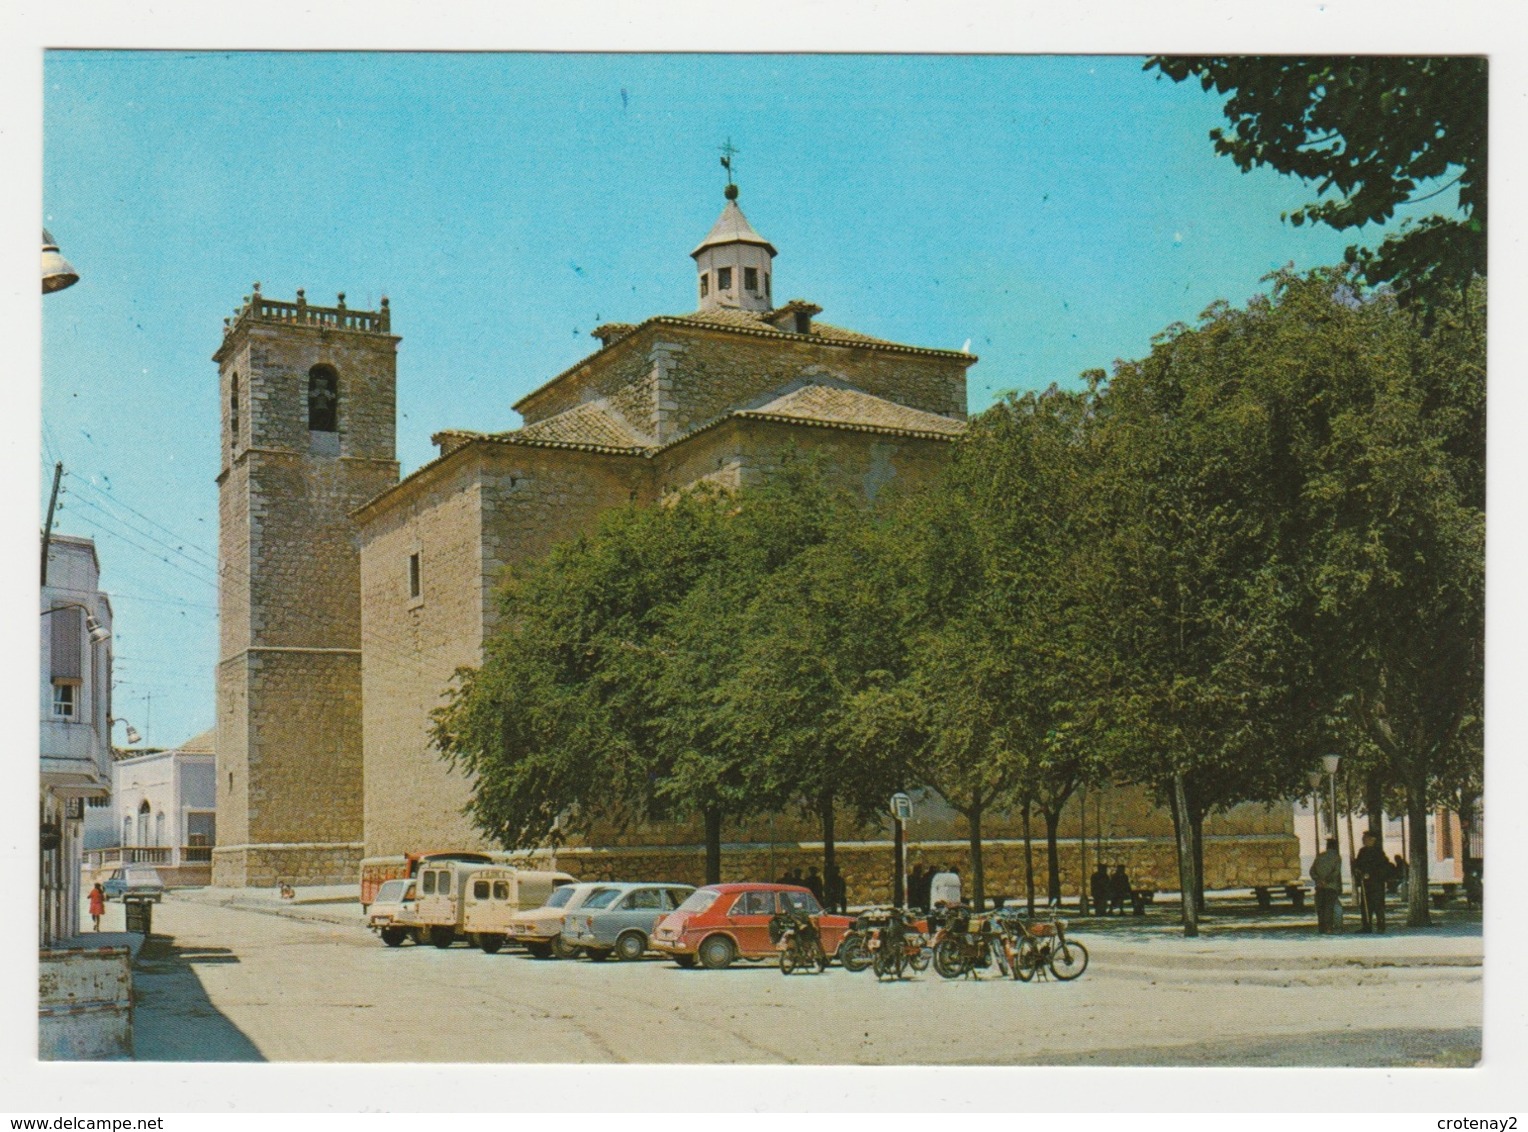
(391, 910)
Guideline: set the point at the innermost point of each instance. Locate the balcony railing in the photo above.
(149, 855)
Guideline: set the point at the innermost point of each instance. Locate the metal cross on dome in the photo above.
(728, 151)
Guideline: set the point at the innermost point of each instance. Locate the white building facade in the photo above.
(74, 705)
(162, 813)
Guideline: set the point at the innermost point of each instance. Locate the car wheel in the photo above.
(490, 942)
(562, 949)
(393, 937)
(442, 937)
(631, 946)
(540, 950)
(598, 954)
(716, 953)
(685, 961)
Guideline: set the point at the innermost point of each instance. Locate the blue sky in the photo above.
(1057, 211)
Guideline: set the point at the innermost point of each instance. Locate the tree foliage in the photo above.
(1372, 133)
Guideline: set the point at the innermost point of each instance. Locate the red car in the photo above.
(723, 922)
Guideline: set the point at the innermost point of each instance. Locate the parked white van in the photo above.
(442, 900)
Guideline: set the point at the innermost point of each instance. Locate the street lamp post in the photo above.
(1314, 778)
(1330, 763)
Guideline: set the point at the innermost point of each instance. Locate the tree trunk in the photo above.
(1187, 883)
(1053, 856)
(829, 845)
(978, 874)
(1196, 833)
(1029, 865)
(713, 847)
(1374, 805)
(1417, 852)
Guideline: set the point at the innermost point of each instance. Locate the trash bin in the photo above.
(140, 916)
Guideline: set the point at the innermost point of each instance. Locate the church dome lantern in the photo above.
(734, 263)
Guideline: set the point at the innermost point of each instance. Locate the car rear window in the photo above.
(559, 897)
(698, 901)
(801, 902)
(602, 897)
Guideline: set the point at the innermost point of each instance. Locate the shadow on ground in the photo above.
(1431, 1049)
(173, 1019)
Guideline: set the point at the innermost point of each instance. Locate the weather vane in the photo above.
(729, 151)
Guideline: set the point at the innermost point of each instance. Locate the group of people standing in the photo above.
(830, 890)
(930, 886)
(1372, 874)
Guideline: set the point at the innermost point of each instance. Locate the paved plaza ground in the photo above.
(244, 976)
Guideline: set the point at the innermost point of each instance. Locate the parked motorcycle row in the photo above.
(956, 941)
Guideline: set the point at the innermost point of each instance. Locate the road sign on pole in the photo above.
(901, 806)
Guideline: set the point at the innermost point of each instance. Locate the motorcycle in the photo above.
(797, 936)
(1035, 948)
(895, 947)
(966, 944)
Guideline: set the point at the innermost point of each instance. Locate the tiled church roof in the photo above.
(591, 423)
(834, 405)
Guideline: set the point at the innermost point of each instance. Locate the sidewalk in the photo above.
(324, 904)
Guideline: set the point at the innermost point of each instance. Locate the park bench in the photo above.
(1141, 897)
(1294, 893)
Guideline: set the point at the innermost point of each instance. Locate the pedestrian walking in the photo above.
(1399, 873)
(1371, 870)
(1119, 889)
(1326, 875)
(813, 883)
(97, 907)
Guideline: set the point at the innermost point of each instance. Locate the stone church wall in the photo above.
(486, 507)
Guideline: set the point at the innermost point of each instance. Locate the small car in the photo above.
(135, 882)
(619, 918)
(391, 907)
(539, 930)
(723, 922)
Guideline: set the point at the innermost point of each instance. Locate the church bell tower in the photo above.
(308, 409)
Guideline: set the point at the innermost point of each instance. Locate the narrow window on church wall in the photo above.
(233, 414)
(750, 278)
(323, 399)
(705, 284)
(766, 284)
(414, 586)
(724, 278)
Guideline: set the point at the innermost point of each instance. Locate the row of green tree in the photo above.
(1262, 543)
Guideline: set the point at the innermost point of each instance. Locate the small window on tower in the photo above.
(233, 414)
(705, 284)
(65, 700)
(323, 399)
(766, 284)
(724, 278)
(414, 589)
(751, 279)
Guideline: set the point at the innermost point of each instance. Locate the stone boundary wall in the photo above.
(1233, 861)
(266, 866)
